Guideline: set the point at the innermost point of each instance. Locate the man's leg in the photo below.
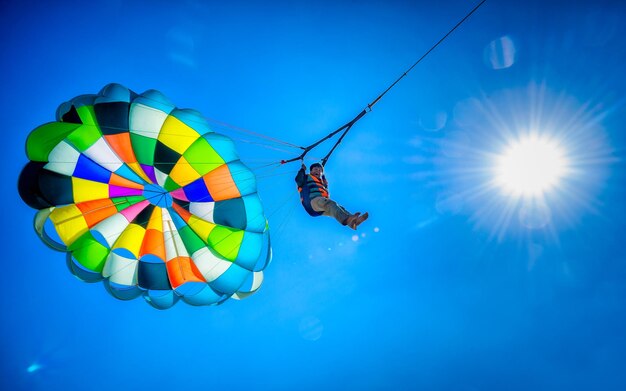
(330, 208)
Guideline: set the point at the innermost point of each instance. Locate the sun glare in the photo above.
(530, 167)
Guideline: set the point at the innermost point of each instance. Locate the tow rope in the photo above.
(346, 128)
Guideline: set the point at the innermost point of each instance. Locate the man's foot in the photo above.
(351, 221)
(360, 219)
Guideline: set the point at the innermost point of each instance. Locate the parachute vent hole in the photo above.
(72, 116)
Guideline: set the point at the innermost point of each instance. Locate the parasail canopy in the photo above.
(146, 198)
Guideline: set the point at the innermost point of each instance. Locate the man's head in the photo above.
(316, 169)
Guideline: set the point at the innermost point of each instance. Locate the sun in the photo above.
(530, 166)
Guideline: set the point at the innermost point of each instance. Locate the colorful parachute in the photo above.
(146, 198)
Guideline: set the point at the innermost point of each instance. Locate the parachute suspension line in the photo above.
(262, 145)
(223, 125)
(288, 208)
(255, 134)
(346, 128)
(271, 142)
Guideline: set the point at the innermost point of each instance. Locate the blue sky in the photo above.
(450, 285)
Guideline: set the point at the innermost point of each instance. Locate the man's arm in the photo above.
(301, 176)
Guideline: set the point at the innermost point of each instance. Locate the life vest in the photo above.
(313, 187)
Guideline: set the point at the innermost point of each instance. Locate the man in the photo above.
(313, 189)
